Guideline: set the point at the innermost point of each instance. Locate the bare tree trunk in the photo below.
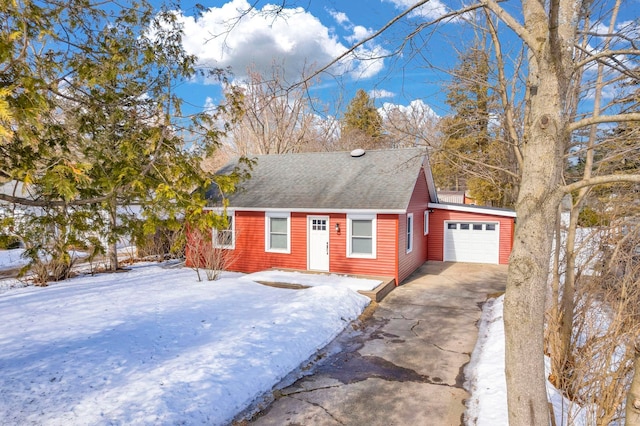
(632, 413)
(113, 242)
(569, 289)
(553, 323)
(529, 265)
(525, 296)
(550, 38)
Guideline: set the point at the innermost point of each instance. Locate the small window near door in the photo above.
(464, 226)
(477, 227)
(452, 226)
(319, 224)
(490, 227)
(426, 222)
(409, 232)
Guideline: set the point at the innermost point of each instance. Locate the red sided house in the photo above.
(369, 213)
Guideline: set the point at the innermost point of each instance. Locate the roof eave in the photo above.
(310, 210)
(472, 209)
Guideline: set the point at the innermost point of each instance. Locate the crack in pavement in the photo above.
(450, 350)
(414, 326)
(319, 406)
(282, 393)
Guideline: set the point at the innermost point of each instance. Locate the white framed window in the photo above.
(226, 237)
(426, 222)
(361, 236)
(277, 235)
(409, 232)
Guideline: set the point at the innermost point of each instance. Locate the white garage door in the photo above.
(476, 242)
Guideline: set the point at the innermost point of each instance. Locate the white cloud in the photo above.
(359, 34)
(381, 94)
(238, 36)
(340, 17)
(416, 108)
(431, 10)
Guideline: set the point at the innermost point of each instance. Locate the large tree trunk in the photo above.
(527, 282)
(550, 38)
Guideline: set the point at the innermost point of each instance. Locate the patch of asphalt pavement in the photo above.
(401, 363)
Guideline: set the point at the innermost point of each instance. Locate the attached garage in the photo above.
(475, 242)
(468, 233)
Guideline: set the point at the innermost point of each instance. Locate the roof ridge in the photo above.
(417, 148)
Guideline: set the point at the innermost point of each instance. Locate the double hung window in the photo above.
(361, 236)
(277, 232)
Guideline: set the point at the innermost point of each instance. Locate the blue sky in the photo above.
(317, 31)
(300, 38)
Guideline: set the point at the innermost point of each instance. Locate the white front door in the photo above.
(318, 241)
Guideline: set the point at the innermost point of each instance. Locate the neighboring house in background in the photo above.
(18, 213)
(456, 197)
(369, 213)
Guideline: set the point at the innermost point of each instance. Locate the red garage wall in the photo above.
(436, 231)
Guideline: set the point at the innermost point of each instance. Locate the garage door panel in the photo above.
(476, 242)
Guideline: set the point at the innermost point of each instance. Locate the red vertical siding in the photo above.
(436, 232)
(385, 262)
(250, 254)
(409, 262)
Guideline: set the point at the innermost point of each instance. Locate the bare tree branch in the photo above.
(52, 203)
(599, 180)
(600, 119)
(511, 23)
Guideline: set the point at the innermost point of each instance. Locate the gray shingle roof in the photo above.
(378, 180)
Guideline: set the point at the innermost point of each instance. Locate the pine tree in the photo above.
(92, 123)
(472, 155)
(361, 124)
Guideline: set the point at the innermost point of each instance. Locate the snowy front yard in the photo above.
(154, 346)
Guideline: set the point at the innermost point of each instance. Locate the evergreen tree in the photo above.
(472, 156)
(361, 124)
(90, 121)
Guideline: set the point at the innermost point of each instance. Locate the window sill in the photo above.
(277, 251)
(361, 256)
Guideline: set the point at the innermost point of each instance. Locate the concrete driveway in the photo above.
(404, 364)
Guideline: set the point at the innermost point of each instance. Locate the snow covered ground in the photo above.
(274, 276)
(154, 346)
(10, 259)
(486, 382)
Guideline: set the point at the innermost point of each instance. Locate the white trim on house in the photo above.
(431, 186)
(220, 210)
(473, 209)
(309, 210)
(373, 219)
(267, 231)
